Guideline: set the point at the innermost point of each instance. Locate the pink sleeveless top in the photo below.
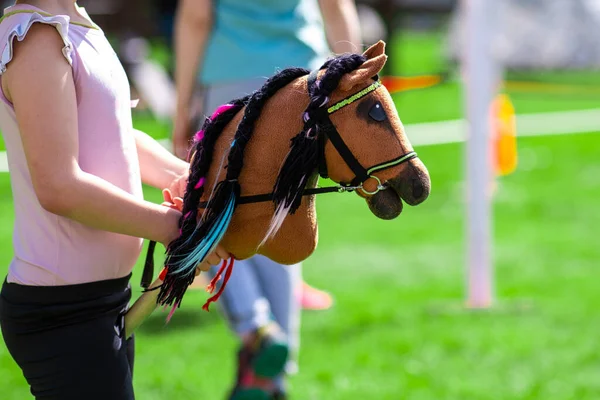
(51, 250)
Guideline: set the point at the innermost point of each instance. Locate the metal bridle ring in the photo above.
(380, 186)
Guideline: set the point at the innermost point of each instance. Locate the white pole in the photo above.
(481, 77)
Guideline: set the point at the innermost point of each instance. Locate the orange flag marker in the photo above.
(504, 135)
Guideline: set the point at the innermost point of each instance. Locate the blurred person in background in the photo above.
(231, 47)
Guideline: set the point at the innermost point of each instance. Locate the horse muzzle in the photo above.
(412, 185)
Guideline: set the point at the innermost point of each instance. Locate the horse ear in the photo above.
(376, 59)
(375, 50)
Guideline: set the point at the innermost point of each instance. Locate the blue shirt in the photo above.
(256, 38)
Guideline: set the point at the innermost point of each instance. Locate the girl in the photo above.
(76, 168)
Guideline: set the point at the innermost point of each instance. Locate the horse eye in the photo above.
(377, 112)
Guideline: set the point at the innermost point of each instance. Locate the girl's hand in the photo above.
(179, 184)
(173, 216)
(214, 258)
(171, 201)
(175, 204)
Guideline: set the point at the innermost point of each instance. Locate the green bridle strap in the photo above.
(354, 97)
(389, 164)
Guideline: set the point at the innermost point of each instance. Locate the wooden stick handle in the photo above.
(141, 309)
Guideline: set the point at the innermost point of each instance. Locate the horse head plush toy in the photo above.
(256, 162)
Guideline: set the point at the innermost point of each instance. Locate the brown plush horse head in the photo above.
(254, 192)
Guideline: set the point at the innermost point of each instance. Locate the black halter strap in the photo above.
(331, 133)
(328, 131)
(259, 198)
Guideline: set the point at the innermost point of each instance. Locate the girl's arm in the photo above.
(39, 82)
(193, 23)
(342, 26)
(159, 168)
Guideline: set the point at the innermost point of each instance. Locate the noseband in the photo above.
(328, 131)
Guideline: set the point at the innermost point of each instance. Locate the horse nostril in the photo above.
(417, 188)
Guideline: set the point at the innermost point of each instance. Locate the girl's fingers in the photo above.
(175, 203)
(171, 205)
(213, 259)
(222, 253)
(203, 266)
(178, 201)
(167, 196)
(170, 201)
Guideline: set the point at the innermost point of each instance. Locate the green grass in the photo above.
(388, 336)
(422, 53)
(397, 330)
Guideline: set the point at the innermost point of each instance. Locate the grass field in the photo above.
(397, 330)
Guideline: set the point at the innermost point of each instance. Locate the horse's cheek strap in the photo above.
(328, 131)
(344, 151)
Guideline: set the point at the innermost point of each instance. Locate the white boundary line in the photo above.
(432, 133)
(3, 162)
(554, 123)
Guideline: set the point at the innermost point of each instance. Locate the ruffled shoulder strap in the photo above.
(16, 23)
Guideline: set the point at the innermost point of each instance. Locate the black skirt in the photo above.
(69, 340)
